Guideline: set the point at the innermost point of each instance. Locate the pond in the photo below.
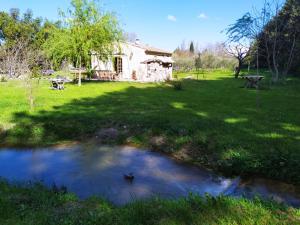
(99, 170)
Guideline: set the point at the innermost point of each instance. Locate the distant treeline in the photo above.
(267, 38)
(212, 56)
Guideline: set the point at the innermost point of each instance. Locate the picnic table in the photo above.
(58, 84)
(252, 81)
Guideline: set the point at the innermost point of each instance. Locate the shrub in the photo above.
(208, 61)
(184, 63)
(2, 79)
(177, 85)
(36, 72)
(90, 73)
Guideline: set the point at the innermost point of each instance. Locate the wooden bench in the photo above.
(105, 75)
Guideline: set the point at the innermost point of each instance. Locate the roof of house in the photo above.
(148, 49)
(151, 50)
(165, 60)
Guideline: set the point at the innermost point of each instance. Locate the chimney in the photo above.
(137, 41)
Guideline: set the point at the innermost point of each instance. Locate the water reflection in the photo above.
(91, 170)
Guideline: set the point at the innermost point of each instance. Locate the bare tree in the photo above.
(266, 28)
(244, 30)
(272, 35)
(262, 19)
(17, 62)
(12, 59)
(263, 27)
(240, 52)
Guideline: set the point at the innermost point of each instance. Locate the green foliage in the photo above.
(37, 205)
(59, 46)
(243, 28)
(90, 73)
(44, 33)
(13, 27)
(36, 72)
(183, 63)
(86, 30)
(213, 57)
(21, 38)
(213, 61)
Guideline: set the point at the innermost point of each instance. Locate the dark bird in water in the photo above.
(59, 190)
(129, 177)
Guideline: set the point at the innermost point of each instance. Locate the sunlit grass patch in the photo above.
(271, 135)
(235, 120)
(178, 105)
(291, 127)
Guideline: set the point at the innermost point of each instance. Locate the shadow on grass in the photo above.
(211, 122)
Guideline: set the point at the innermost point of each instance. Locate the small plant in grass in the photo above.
(36, 72)
(90, 73)
(177, 85)
(32, 82)
(3, 79)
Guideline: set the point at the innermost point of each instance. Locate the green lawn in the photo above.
(35, 205)
(212, 121)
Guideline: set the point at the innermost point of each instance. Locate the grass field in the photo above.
(211, 122)
(36, 205)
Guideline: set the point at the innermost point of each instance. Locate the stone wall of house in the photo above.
(133, 68)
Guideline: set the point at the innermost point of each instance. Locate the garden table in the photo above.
(58, 84)
(252, 81)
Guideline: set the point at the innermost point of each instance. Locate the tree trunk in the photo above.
(249, 66)
(257, 61)
(274, 49)
(275, 66)
(238, 69)
(290, 59)
(79, 77)
(29, 83)
(268, 56)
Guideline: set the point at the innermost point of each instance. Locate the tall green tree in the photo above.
(14, 27)
(85, 30)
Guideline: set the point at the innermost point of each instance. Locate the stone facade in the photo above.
(135, 62)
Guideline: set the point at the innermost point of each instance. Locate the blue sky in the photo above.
(161, 23)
